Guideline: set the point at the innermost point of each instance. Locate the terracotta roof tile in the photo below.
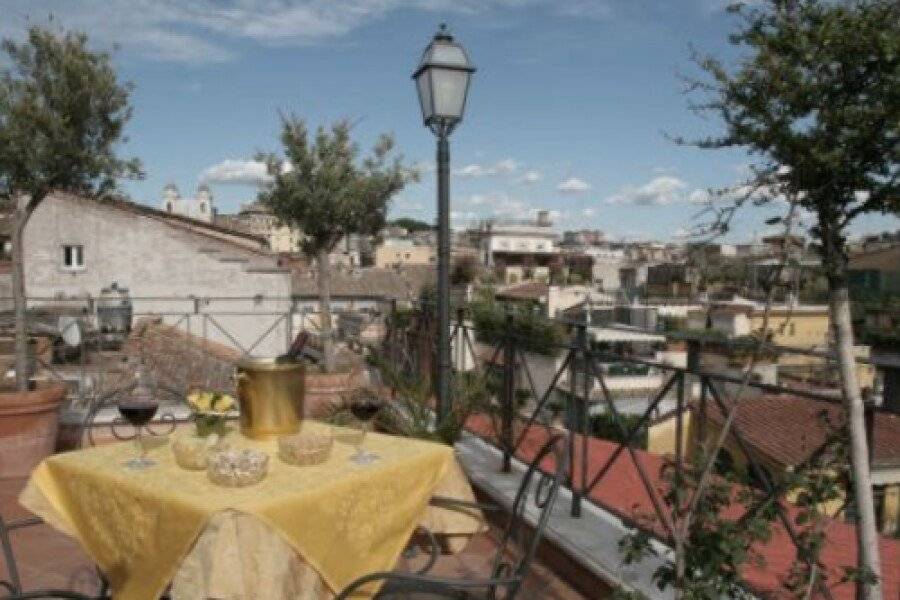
(622, 493)
(790, 428)
(525, 291)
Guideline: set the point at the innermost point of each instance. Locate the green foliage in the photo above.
(717, 545)
(411, 413)
(411, 224)
(529, 330)
(329, 192)
(817, 90)
(62, 111)
(464, 271)
(720, 542)
(604, 427)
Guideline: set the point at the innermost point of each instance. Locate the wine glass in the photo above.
(364, 408)
(138, 409)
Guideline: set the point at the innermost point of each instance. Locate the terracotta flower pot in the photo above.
(29, 422)
(326, 390)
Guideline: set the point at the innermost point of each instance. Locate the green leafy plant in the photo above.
(330, 193)
(410, 412)
(529, 330)
(63, 111)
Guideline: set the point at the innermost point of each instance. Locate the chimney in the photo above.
(543, 218)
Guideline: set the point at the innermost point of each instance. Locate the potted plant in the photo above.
(29, 422)
(322, 188)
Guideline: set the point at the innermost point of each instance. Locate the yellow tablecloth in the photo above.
(342, 519)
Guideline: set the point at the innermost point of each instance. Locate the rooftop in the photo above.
(789, 428)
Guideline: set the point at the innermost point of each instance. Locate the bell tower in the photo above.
(203, 204)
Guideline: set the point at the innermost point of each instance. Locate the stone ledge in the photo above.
(591, 541)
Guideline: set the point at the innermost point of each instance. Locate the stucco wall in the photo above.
(157, 258)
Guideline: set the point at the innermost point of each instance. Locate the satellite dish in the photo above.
(69, 330)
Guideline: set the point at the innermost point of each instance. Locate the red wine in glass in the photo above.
(139, 412)
(365, 410)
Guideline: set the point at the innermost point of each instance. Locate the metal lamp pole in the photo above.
(443, 275)
(442, 82)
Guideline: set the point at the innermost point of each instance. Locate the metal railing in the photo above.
(580, 371)
(187, 340)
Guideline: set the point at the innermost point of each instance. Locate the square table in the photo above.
(303, 532)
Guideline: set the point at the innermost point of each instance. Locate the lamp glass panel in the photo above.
(423, 85)
(449, 89)
(448, 54)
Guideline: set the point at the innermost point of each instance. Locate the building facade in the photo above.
(200, 207)
(172, 266)
(394, 252)
(519, 243)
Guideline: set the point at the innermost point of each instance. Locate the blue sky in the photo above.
(568, 111)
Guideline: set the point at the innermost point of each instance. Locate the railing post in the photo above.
(693, 367)
(289, 323)
(459, 339)
(578, 422)
(507, 400)
(679, 422)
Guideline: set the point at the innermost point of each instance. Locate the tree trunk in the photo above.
(324, 266)
(867, 533)
(18, 291)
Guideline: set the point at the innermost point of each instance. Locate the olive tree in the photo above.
(322, 188)
(62, 112)
(815, 95)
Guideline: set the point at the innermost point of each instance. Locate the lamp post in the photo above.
(442, 81)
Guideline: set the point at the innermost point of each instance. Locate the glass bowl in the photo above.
(305, 449)
(192, 451)
(237, 468)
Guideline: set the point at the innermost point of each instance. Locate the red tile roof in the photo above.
(789, 428)
(622, 493)
(525, 291)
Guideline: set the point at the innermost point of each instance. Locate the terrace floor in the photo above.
(49, 559)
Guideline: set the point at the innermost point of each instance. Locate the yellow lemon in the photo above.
(224, 403)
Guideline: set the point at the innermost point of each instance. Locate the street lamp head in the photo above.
(442, 80)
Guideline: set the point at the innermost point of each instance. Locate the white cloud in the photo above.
(661, 190)
(245, 172)
(501, 167)
(202, 31)
(423, 167)
(531, 176)
(573, 185)
(699, 196)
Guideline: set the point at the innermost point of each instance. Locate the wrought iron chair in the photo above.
(14, 585)
(518, 537)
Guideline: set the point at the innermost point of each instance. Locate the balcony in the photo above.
(614, 485)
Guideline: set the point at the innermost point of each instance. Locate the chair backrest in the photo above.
(520, 539)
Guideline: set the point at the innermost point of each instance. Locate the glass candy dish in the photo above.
(237, 468)
(305, 449)
(192, 452)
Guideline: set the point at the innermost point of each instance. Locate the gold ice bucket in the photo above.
(270, 394)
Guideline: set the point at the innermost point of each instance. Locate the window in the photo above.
(73, 257)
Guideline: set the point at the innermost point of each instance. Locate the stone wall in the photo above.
(159, 258)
